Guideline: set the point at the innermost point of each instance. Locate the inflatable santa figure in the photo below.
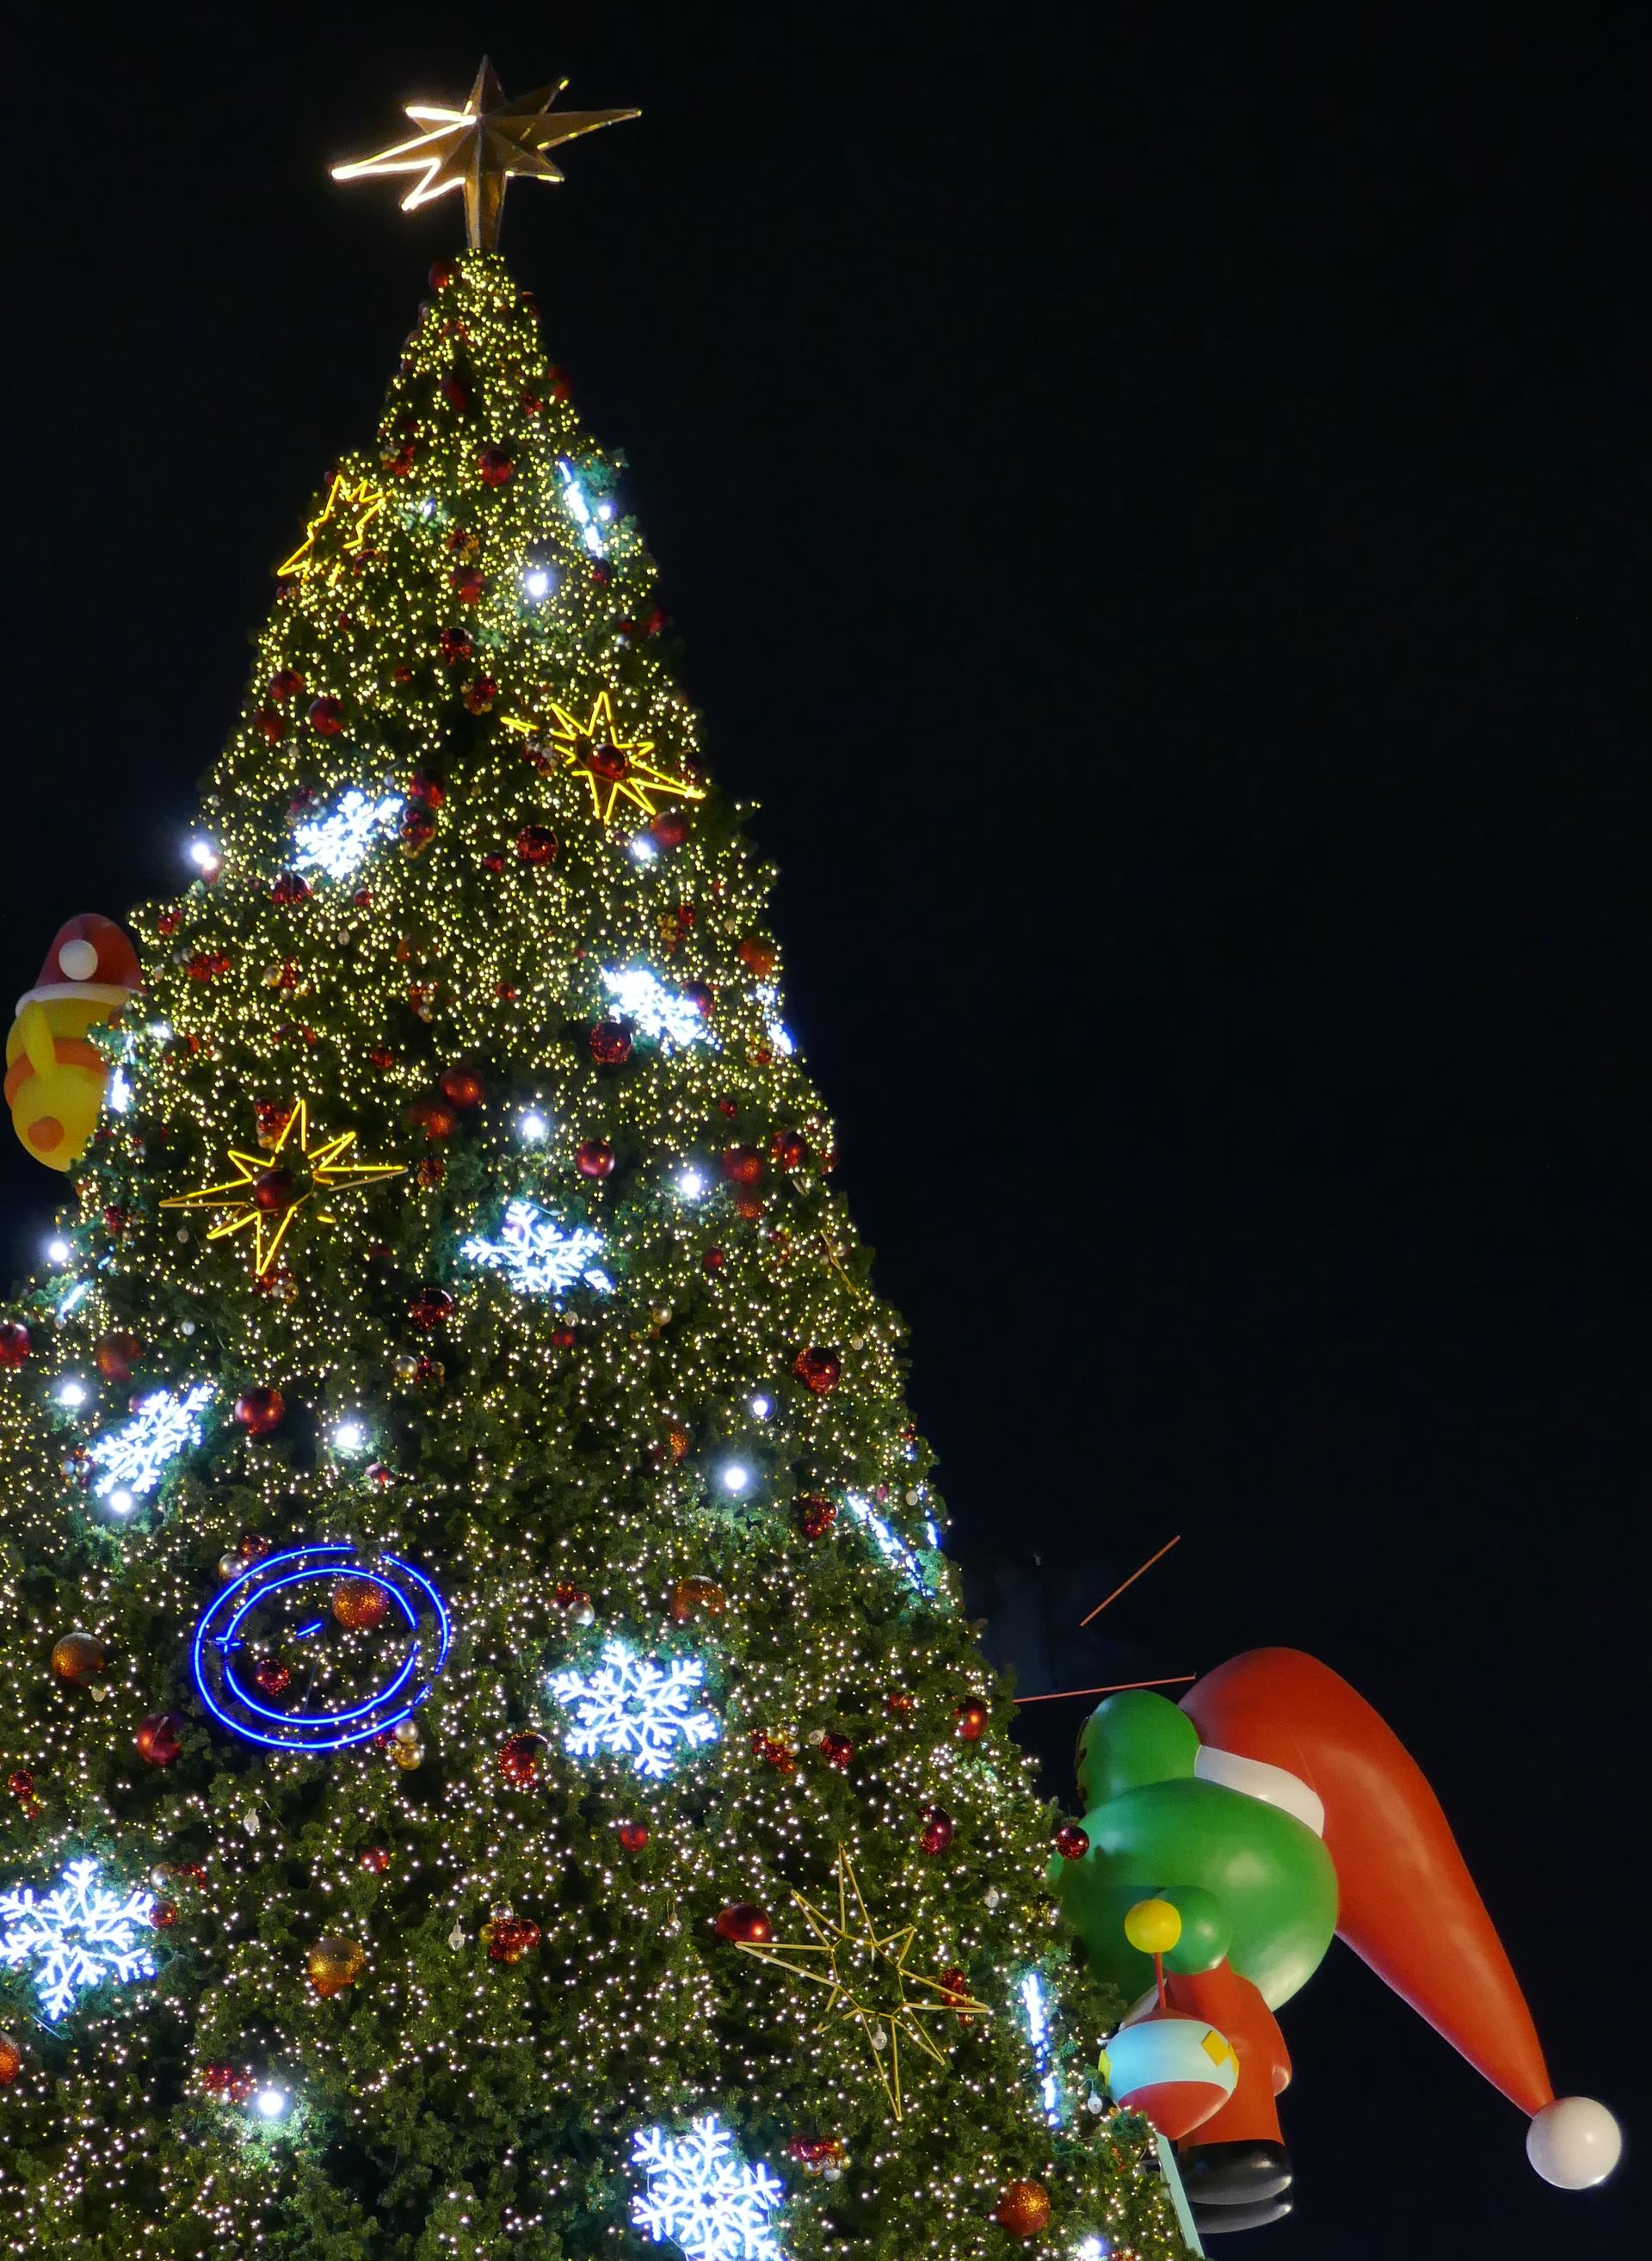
(55, 1077)
(1230, 1838)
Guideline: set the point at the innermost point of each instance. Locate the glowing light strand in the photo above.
(1036, 2014)
(635, 1708)
(135, 1456)
(703, 2197)
(888, 1542)
(538, 1256)
(80, 1935)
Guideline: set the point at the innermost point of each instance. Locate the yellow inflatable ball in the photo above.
(1153, 1926)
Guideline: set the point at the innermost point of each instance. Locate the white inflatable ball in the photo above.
(1574, 2142)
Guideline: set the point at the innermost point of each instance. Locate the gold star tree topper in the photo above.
(269, 1189)
(614, 767)
(482, 148)
(867, 1982)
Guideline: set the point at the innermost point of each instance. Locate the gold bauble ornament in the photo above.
(10, 2060)
(334, 1964)
(78, 1658)
(696, 1597)
(358, 1605)
(1024, 2209)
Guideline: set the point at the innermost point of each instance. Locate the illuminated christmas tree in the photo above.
(497, 1764)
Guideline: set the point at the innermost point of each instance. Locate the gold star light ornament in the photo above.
(866, 1980)
(269, 1190)
(354, 506)
(481, 148)
(615, 768)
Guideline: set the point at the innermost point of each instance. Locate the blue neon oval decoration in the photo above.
(218, 1641)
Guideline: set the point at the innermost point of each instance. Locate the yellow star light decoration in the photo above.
(481, 148)
(268, 1189)
(867, 1982)
(361, 503)
(615, 769)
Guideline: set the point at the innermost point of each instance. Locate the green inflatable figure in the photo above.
(1235, 1834)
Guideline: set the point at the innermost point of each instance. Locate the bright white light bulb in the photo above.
(160, 1031)
(691, 1184)
(58, 1252)
(205, 859)
(643, 848)
(735, 1478)
(538, 582)
(272, 2103)
(428, 508)
(533, 1127)
(350, 1435)
(762, 1407)
(605, 512)
(121, 1502)
(71, 1391)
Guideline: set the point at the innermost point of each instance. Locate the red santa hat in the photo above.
(1279, 1725)
(90, 957)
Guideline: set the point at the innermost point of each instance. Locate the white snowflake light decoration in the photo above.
(704, 2197)
(636, 1708)
(654, 1008)
(133, 1457)
(538, 1256)
(342, 839)
(78, 1936)
(888, 1542)
(782, 1041)
(1035, 2013)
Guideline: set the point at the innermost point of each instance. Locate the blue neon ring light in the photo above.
(243, 1711)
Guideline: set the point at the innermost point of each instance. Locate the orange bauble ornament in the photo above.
(1024, 2209)
(10, 2060)
(358, 1605)
(695, 1597)
(79, 1657)
(334, 1964)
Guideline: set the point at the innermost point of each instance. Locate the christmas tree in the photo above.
(497, 1764)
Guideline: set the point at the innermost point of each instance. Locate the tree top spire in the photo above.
(480, 147)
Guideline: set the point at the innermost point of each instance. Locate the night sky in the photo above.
(1157, 502)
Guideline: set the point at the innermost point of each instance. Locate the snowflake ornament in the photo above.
(703, 2197)
(654, 1008)
(342, 839)
(635, 1708)
(77, 1936)
(134, 1457)
(538, 1256)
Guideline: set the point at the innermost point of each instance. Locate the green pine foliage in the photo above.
(693, 1443)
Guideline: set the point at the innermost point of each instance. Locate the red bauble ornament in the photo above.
(327, 715)
(510, 1937)
(743, 1923)
(817, 1369)
(261, 1410)
(518, 1760)
(358, 1605)
(268, 723)
(837, 1750)
(971, 1718)
(563, 1335)
(633, 1835)
(440, 276)
(595, 1158)
(790, 1149)
(479, 695)
(433, 1117)
(116, 1355)
(375, 1860)
(464, 1087)
(455, 644)
(670, 828)
(21, 1783)
(493, 466)
(1024, 2209)
(252, 1545)
(274, 1190)
(741, 1166)
(757, 956)
(289, 887)
(536, 844)
(956, 1983)
(936, 1829)
(10, 2060)
(456, 393)
(1072, 1842)
(713, 1260)
(610, 1043)
(286, 683)
(429, 1306)
(15, 1344)
(272, 1676)
(467, 584)
(816, 1514)
(159, 1738)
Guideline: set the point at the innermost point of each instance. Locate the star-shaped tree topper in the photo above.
(269, 1190)
(615, 768)
(481, 147)
(867, 1982)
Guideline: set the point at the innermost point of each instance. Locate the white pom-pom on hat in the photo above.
(78, 959)
(1574, 2142)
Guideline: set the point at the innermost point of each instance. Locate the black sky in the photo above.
(1157, 501)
